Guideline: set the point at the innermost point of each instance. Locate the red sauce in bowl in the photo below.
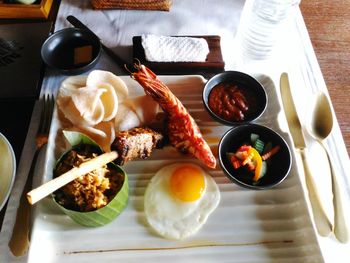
(229, 101)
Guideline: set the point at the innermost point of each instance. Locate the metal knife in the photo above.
(323, 224)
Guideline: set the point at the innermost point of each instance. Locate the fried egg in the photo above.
(178, 200)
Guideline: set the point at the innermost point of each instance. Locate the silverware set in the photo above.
(320, 128)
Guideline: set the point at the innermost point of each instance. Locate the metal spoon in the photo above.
(321, 127)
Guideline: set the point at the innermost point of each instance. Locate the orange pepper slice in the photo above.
(258, 161)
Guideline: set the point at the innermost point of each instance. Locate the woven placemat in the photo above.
(163, 5)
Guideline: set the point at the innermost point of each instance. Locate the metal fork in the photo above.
(19, 241)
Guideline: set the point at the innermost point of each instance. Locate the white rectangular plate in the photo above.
(247, 226)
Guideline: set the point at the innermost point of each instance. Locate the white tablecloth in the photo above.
(198, 17)
(117, 27)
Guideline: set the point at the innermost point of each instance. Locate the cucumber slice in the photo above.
(263, 169)
(259, 145)
(254, 137)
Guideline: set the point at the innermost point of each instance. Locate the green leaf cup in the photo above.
(113, 208)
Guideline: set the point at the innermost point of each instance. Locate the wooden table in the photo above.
(328, 23)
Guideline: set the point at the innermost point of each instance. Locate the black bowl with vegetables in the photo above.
(254, 156)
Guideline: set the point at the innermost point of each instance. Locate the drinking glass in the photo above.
(261, 26)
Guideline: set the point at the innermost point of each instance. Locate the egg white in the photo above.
(171, 217)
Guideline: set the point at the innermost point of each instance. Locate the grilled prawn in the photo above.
(183, 131)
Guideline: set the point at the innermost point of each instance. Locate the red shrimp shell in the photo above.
(183, 132)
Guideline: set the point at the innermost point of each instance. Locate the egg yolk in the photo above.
(187, 183)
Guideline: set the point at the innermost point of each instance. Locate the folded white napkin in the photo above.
(174, 49)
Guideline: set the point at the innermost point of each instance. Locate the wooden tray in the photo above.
(39, 9)
(213, 64)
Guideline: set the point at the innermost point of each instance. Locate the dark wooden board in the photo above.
(39, 9)
(21, 69)
(213, 64)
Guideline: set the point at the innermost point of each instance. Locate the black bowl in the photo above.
(71, 51)
(254, 92)
(279, 164)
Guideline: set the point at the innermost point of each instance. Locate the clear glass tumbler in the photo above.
(261, 25)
